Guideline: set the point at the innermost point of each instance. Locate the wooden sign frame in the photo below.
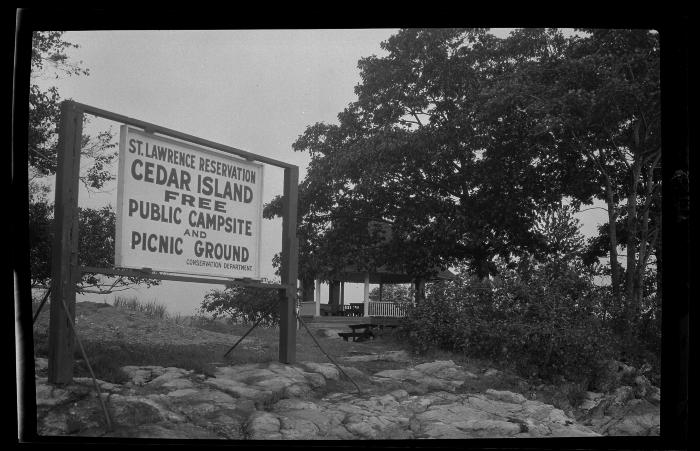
(65, 272)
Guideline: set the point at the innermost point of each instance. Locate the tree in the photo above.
(601, 104)
(417, 151)
(458, 139)
(96, 248)
(49, 53)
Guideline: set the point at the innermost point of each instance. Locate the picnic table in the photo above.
(363, 331)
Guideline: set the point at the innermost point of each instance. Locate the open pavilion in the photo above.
(337, 305)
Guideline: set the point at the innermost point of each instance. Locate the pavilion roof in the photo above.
(384, 275)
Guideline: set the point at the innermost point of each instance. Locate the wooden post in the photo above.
(381, 287)
(342, 293)
(366, 294)
(317, 293)
(289, 270)
(64, 271)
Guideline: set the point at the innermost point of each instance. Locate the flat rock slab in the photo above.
(439, 375)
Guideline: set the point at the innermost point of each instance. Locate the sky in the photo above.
(256, 90)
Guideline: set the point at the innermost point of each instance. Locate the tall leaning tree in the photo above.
(600, 103)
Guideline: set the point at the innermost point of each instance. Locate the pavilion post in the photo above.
(366, 295)
(342, 293)
(317, 294)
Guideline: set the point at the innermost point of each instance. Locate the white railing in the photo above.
(386, 309)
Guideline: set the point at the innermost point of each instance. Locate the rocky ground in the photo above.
(277, 401)
(400, 397)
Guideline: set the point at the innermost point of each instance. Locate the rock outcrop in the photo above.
(627, 403)
(276, 401)
(622, 412)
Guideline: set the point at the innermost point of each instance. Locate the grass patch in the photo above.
(41, 342)
(104, 367)
(107, 357)
(150, 308)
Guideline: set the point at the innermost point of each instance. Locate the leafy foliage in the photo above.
(243, 305)
(600, 102)
(50, 57)
(545, 315)
(96, 226)
(547, 324)
(393, 293)
(446, 144)
(95, 248)
(40, 236)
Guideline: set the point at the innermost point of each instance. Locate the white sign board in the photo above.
(186, 209)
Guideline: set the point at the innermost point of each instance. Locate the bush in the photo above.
(543, 322)
(243, 305)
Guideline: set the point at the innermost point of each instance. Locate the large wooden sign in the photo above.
(185, 204)
(186, 209)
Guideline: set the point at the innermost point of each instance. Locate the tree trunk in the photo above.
(612, 231)
(633, 284)
(644, 237)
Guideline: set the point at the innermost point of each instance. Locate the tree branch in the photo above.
(593, 208)
(616, 148)
(591, 155)
(415, 116)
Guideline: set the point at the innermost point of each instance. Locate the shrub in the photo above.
(544, 322)
(243, 305)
